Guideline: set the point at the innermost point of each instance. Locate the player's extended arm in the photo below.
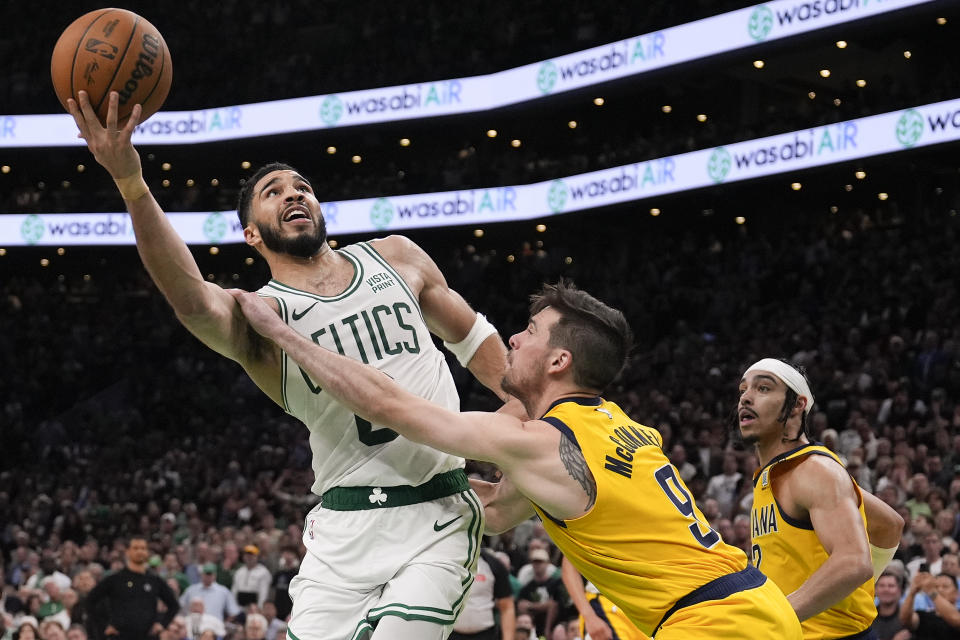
(825, 490)
(369, 393)
(465, 333)
(595, 627)
(204, 308)
(504, 507)
(884, 529)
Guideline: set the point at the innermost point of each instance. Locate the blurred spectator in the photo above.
(197, 620)
(544, 595)
(527, 571)
(255, 627)
(725, 487)
(678, 456)
(275, 625)
(930, 559)
(525, 627)
(887, 624)
(287, 568)
(218, 601)
(943, 622)
(27, 629)
(251, 582)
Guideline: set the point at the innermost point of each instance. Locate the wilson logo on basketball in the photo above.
(143, 68)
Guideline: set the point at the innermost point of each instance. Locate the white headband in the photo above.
(790, 377)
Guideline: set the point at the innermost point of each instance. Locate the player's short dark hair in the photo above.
(246, 191)
(597, 335)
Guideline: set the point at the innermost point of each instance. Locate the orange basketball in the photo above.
(112, 50)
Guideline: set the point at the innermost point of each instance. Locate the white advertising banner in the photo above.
(692, 41)
(843, 141)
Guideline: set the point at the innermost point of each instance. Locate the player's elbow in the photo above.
(861, 570)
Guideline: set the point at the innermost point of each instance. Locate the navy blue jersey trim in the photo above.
(595, 401)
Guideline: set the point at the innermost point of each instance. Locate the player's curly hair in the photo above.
(598, 336)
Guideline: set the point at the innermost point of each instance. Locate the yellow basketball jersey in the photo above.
(788, 552)
(644, 544)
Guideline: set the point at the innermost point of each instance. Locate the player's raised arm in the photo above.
(467, 334)
(204, 308)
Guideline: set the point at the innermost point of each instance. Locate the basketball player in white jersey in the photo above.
(393, 544)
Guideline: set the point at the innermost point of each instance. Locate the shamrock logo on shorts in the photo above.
(378, 496)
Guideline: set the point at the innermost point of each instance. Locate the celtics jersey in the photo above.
(375, 320)
(644, 544)
(788, 551)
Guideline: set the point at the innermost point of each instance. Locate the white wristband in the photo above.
(464, 350)
(880, 559)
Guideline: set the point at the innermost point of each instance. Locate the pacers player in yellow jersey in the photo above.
(600, 619)
(606, 492)
(809, 517)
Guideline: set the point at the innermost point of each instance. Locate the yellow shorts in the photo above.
(761, 612)
(610, 613)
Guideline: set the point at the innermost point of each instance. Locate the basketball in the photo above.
(112, 50)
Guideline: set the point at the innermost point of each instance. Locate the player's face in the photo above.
(527, 358)
(761, 401)
(287, 214)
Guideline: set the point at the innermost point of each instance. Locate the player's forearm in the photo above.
(884, 524)
(833, 581)
(369, 393)
(506, 509)
(574, 584)
(166, 256)
(489, 363)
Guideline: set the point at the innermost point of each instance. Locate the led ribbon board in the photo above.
(818, 146)
(719, 34)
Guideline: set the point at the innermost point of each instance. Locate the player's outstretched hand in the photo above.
(261, 317)
(110, 145)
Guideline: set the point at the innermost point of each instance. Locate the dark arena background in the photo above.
(824, 244)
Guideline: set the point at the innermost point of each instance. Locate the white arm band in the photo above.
(880, 558)
(464, 350)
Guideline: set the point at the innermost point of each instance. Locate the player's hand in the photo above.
(110, 145)
(111, 631)
(597, 629)
(261, 317)
(156, 629)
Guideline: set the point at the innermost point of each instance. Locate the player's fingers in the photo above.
(74, 109)
(113, 105)
(133, 120)
(89, 115)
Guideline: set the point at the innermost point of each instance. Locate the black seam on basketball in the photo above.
(116, 70)
(163, 67)
(76, 50)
